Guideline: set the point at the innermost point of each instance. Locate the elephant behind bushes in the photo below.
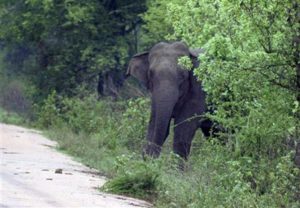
(175, 93)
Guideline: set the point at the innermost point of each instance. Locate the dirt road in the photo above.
(34, 174)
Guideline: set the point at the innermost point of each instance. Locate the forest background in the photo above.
(62, 67)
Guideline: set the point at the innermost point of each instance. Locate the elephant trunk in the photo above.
(164, 99)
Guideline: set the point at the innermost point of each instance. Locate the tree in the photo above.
(70, 43)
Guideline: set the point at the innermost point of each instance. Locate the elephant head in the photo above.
(175, 93)
(139, 64)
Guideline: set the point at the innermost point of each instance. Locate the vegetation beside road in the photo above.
(112, 143)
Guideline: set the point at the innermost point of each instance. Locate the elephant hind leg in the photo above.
(184, 132)
(207, 128)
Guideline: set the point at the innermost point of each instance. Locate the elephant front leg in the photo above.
(150, 148)
(153, 147)
(158, 130)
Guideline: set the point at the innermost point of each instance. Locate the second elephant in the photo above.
(175, 93)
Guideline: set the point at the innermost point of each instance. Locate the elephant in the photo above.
(175, 94)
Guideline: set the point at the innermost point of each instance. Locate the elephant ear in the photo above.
(138, 67)
(194, 54)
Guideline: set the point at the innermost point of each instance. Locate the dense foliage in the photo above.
(61, 45)
(59, 52)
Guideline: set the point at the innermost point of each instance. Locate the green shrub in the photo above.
(133, 126)
(80, 114)
(48, 113)
(217, 178)
(11, 117)
(134, 177)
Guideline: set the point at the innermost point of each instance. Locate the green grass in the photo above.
(11, 117)
(135, 178)
(109, 137)
(214, 177)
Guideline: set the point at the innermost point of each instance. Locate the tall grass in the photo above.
(109, 136)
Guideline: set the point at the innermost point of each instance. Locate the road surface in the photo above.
(34, 174)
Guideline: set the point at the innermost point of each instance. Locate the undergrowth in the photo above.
(11, 117)
(109, 136)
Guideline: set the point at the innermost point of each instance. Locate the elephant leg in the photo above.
(153, 146)
(184, 130)
(151, 127)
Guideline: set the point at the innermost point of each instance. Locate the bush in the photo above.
(124, 121)
(48, 113)
(134, 177)
(217, 178)
(11, 117)
(80, 114)
(133, 125)
(109, 136)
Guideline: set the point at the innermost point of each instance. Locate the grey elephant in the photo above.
(175, 93)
